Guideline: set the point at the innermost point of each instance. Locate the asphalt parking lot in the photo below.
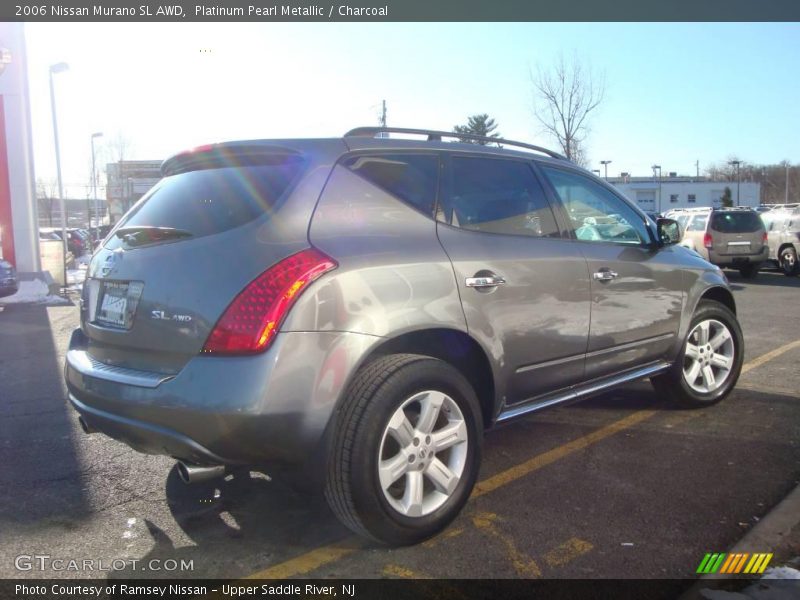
(619, 486)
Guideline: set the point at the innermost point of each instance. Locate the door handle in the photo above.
(605, 275)
(484, 282)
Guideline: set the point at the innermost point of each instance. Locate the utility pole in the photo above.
(697, 168)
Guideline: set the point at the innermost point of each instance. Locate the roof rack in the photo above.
(436, 136)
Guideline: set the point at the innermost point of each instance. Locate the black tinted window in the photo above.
(736, 222)
(213, 200)
(411, 178)
(498, 196)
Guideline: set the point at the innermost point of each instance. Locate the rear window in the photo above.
(211, 201)
(736, 222)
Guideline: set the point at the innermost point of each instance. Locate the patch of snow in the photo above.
(33, 292)
(781, 573)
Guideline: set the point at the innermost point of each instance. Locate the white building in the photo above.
(684, 192)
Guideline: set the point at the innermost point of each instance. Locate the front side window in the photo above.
(596, 214)
(498, 196)
(412, 178)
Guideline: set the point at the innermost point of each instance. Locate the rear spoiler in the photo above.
(216, 156)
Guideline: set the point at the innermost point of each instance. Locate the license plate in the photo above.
(739, 248)
(117, 304)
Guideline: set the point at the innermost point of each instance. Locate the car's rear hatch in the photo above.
(177, 259)
(736, 232)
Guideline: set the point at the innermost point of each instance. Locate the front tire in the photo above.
(406, 451)
(710, 360)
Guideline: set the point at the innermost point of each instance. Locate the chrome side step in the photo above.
(584, 390)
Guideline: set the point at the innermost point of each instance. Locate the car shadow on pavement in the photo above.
(765, 278)
(41, 470)
(634, 396)
(239, 525)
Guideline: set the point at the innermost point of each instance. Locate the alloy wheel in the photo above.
(709, 356)
(423, 453)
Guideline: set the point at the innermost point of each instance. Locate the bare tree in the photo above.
(46, 193)
(118, 147)
(564, 97)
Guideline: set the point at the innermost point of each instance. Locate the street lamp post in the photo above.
(605, 164)
(736, 164)
(654, 167)
(94, 189)
(59, 68)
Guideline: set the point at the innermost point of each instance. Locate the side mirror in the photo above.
(669, 232)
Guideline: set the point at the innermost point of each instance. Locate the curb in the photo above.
(768, 535)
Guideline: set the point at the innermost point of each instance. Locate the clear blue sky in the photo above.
(676, 93)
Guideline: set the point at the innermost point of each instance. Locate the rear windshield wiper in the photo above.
(140, 236)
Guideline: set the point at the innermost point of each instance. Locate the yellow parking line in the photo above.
(567, 552)
(757, 362)
(401, 572)
(305, 563)
(523, 564)
(542, 460)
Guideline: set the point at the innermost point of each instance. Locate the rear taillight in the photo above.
(707, 241)
(251, 321)
(764, 239)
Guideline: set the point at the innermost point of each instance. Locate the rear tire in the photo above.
(750, 271)
(709, 362)
(406, 451)
(788, 262)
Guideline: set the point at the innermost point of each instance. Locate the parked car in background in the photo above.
(783, 236)
(356, 312)
(76, 244)
(8, 279)
(728, 237)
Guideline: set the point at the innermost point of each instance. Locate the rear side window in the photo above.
(498, 196)
(698, 223)
(411, 178)
(736, 222)
(211, 201)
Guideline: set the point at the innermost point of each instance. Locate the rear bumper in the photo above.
(8, 289)
(272, 408)
(736, 260)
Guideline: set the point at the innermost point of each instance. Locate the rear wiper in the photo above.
(139, 236)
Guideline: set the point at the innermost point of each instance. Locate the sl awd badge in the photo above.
(160, 315)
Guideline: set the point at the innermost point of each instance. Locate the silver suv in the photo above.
(727, 237)
(353, 313)
(783, 235)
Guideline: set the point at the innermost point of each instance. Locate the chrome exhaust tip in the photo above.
(85, 426)
(194, 473)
